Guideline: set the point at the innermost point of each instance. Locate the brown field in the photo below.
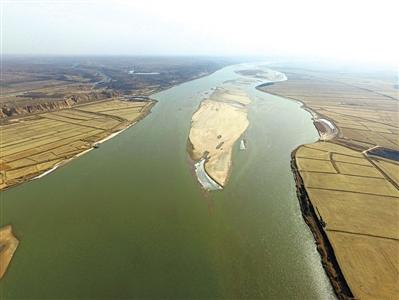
(388, 167)
(376, 279)
(8, 246)
(355, 196)
(359, 206)
(364, 109)
(37, 143)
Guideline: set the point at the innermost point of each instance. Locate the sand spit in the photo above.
(8, 246)
(217, 124)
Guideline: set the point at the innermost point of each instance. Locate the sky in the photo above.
(347, 30)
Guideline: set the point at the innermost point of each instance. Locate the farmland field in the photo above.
(35, 144)
(353, 193)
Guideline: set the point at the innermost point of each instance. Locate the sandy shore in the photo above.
(217, 124)
(8, 246)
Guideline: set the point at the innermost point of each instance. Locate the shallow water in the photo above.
(129, 220)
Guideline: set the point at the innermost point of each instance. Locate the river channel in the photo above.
(129, 219)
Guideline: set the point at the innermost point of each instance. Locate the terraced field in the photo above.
(35, 144)
(350, 196)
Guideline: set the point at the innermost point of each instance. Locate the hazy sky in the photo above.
(350, 29)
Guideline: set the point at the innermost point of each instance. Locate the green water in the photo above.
(128, 220)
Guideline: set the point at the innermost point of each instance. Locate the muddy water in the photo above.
(129, 220)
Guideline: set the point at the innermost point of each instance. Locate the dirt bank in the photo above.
(324, 247)
(342, 203)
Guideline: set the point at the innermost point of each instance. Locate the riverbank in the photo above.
(308, 211)
(38, 145)
(248, 241)
(323, 245)
(340, 187)
(95, 145)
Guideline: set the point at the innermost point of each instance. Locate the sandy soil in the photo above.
(8, 245)
(217, 124)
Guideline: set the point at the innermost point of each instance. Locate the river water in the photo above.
(129, 220)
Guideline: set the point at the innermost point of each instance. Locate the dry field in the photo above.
(355, 195)
(359, 206)
(8, 246)
(366, 115)
(31, 145)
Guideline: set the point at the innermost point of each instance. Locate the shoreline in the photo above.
(316, 117)
(146, 111)
(152, 102)
(323, 245)
(64, 162)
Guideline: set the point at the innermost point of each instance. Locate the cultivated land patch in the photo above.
(32, 145)
(350, 197)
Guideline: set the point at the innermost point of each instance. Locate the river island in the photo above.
(215, 127)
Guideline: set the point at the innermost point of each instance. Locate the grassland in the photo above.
(350, 198)
(32, 145)
(8, 246)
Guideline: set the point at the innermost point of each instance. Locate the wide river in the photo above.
(129, 220)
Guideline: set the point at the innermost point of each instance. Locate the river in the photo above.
(129, 220)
